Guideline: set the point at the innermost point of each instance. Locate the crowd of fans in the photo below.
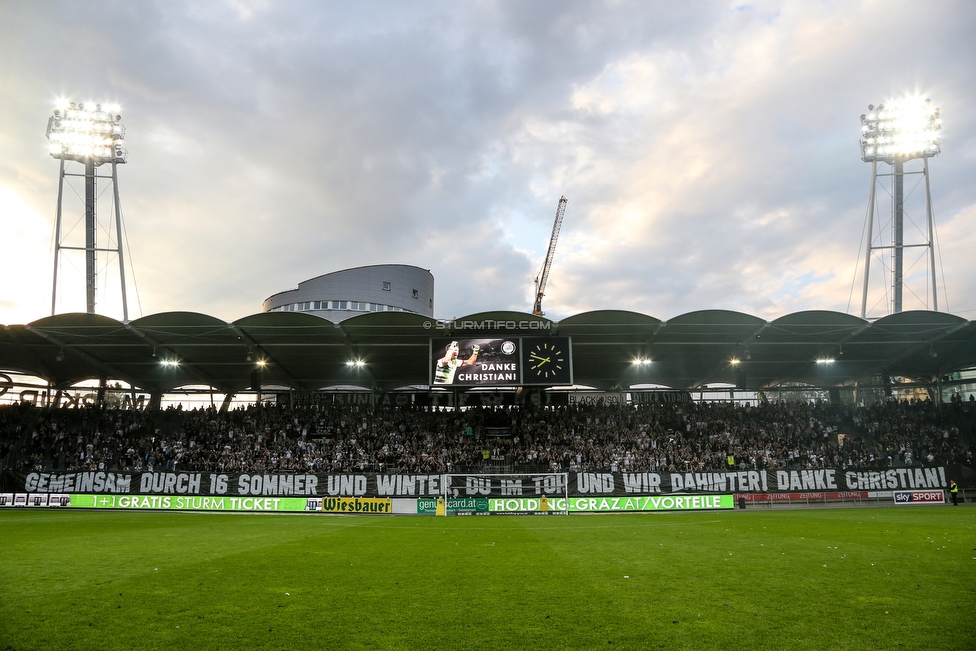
(338, 438)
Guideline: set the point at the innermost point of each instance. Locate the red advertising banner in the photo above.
(828, 496)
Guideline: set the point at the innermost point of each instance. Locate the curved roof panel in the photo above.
(604, 318)
(504, 315)
(611, 348)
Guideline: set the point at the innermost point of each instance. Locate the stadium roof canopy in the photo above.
(308, 353)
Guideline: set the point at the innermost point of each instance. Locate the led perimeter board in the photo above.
(501, 361)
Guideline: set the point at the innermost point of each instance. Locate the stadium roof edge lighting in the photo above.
(902, 129)
(86, 132)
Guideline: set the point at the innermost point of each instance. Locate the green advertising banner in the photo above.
(424, 506)
(463, 505)
(193, 503)
(455, 505)
(527, 505)
(652, 503)
(611, 504)
(427, 506)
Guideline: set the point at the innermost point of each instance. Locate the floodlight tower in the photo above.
(901, 131)
(91, 136)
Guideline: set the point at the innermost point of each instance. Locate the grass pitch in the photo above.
(866, 578)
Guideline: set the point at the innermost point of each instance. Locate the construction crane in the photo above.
(543, 277)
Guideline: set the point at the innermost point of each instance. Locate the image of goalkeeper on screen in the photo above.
(448, 365)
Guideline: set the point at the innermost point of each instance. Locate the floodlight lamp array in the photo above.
(79, 133)
(901, 130)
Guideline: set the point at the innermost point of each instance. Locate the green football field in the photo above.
(856, 578)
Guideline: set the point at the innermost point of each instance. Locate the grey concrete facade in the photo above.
(347, 293)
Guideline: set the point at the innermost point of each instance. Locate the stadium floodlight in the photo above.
(895, 133)
(83, 134)
(900, 130)
(93, 135)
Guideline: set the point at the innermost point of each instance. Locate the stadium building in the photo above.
(340, 295)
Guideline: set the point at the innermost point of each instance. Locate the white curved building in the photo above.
(343, 294)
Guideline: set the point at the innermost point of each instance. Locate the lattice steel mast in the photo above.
(895, 134)
(92, 137)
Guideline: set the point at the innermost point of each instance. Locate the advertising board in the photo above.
(467, 505)
(919, 497)
(186, 503)
(611, 504)
(427, 506)
(357, 505)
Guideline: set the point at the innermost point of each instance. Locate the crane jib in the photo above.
(543, 277)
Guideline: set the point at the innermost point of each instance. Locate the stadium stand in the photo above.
(680, 437)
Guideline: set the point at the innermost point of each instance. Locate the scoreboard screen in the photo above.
(501, 361)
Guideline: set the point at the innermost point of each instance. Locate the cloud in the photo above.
(28, 276)
(708, 150)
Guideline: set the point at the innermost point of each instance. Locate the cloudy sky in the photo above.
(709, 150)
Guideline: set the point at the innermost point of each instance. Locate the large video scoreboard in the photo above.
(501, 361)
